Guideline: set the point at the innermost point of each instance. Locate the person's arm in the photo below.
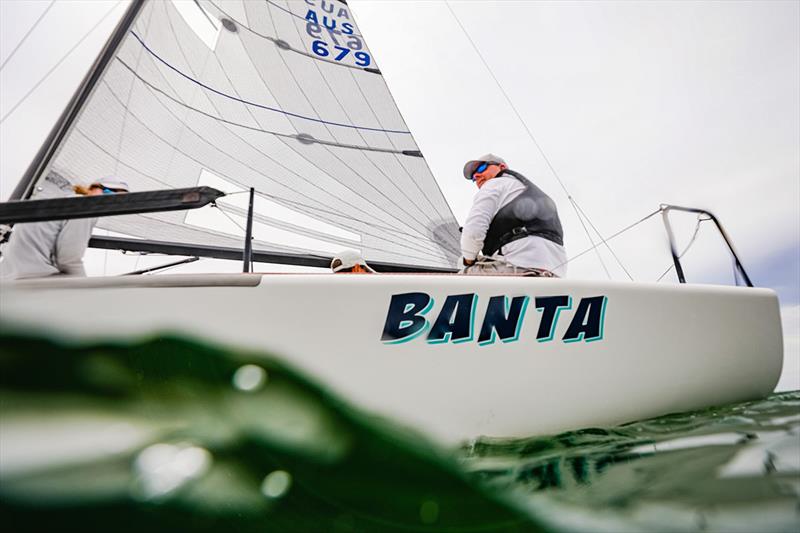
(71, 244)
(484, 207)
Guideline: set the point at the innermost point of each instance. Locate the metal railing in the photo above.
(666, 208)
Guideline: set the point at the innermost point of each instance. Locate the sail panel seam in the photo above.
(380, 170)
(417, 243)
(253, 128)
(281, 165)
(254, 104)
(438, 213)
(284, 45)
(394, 101)
(423, 227)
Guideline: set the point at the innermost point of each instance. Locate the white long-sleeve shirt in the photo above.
(529, 252)
(40, 249)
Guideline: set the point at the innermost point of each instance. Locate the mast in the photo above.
(45, 154)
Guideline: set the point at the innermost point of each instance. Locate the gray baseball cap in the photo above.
(469, 168)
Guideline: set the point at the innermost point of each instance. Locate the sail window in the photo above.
(273, 210)
(232, 224)
(204, 25)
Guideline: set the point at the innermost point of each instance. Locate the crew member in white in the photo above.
(512, 222)
(54, 247)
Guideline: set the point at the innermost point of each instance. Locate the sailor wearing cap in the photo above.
(350, 261)
(512, 222)
(54, 247)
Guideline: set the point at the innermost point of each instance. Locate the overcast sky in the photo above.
(633, 103)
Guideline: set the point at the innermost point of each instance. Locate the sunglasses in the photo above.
(106, 190)
(480, 168)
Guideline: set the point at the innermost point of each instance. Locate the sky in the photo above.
(633, 104)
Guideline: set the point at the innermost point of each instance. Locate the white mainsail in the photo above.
(284, 97)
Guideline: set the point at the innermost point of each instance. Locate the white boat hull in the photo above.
(661, 348)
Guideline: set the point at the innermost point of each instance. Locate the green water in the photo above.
(167, 434)
(733, 468)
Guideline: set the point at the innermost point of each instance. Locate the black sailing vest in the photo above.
(530, 213)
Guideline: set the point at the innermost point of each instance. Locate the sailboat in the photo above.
(282, 107)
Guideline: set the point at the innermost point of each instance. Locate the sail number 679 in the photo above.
(321, 49)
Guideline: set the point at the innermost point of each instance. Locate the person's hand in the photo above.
(467, 262)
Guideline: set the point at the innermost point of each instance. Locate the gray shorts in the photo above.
(484, 267)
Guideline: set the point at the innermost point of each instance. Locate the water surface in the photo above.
(168, 434)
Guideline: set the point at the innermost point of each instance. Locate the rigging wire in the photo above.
(604, 242)
(533, 139)
(58, 64)
(594, 246)
(27, 34)
(618, 233)
(219, 207)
